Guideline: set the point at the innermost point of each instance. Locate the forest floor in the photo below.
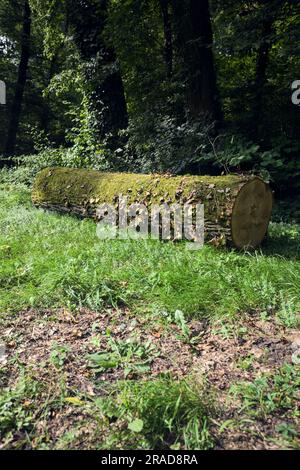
(126, 344)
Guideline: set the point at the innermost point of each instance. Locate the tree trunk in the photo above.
(106, 96)
(195, 46)
(237, 208)
(21, 82)
(112, 99)
(165, 6)
(261, 74)
(262, 63)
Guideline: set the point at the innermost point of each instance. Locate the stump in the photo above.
(237, 207)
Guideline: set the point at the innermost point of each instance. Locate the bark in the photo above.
(165, 6)
(111, 96)
(237, 208)
(195, 46)
(107, 96)
(21, 82)
(262, 63)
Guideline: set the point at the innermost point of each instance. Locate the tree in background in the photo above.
(194, 40)
(43, 112)
(104, 82)
(165, 6)
(13, 125)
(138, 84)
(270, 12)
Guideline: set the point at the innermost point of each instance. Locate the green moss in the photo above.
(56, 185)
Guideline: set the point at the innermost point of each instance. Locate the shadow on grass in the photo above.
(283, 240)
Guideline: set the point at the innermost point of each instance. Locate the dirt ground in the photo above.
(219, 354)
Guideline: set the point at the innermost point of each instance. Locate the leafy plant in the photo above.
(59, 354)
(16, 410)
(270, 393)
(132, 355)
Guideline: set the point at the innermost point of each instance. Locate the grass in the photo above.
(270, 394)
(161, 414)
(52, 262)
(157, 414)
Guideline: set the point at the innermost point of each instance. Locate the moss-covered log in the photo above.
(237, 207)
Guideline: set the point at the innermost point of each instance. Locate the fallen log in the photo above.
(237, 207)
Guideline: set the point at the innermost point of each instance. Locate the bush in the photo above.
(167, 147)
(27, 166)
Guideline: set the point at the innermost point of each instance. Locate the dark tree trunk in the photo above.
(21, 82)
(107, 97)
(262, 63)
(165, 6)
(113, 104)
(195, 46)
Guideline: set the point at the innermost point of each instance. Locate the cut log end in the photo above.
(251, 214)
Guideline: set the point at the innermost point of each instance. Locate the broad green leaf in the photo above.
(136, 426)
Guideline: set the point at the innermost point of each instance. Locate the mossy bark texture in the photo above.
(237, 207)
